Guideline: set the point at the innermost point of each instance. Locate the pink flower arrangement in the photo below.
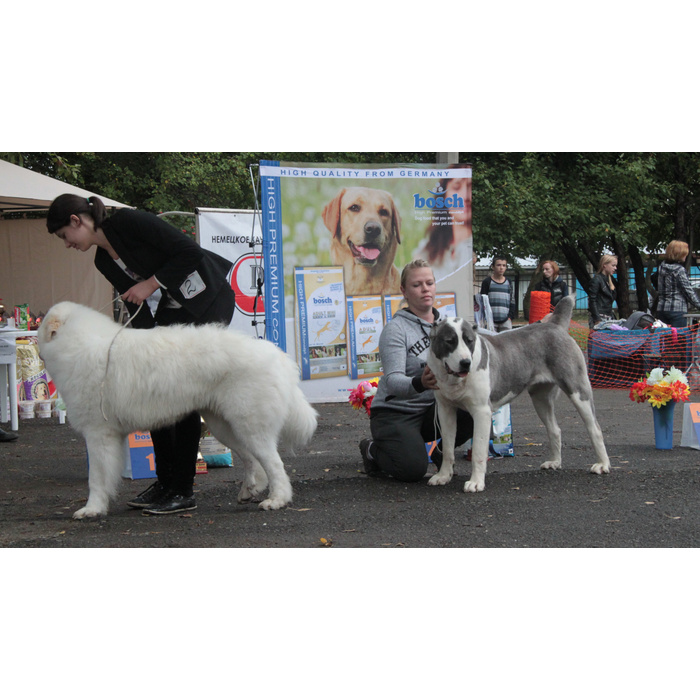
(363, 394)
(659, 387)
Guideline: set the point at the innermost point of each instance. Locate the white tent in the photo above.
(35, 267)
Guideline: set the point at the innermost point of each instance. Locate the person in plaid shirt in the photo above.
(675, 291)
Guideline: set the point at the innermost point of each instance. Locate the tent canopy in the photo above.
(26, 190)
(36, 268)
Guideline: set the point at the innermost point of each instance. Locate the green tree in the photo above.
(568, 206)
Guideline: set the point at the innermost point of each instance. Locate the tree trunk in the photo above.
(623, 294)
(577, 264)
(639, 277)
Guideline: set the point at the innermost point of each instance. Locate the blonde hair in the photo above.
(413, 265)
(603, 262)
(677, 251)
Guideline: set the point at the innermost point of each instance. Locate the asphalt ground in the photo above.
(650, 498)
(559, 584)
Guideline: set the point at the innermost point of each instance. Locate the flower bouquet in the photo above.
(660, 386)
(662, 389)
(363, 394)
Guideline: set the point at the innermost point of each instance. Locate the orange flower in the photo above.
(660, 386)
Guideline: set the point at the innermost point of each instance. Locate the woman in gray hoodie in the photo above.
(402, 417)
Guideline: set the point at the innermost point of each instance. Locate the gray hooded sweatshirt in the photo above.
(403, 347)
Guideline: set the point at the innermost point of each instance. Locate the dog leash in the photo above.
(109, 352)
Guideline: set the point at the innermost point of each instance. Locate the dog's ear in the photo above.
(331, 214)
(52, 326)
(434, 329)
(396, 222)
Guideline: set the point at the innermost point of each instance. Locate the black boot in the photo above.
(7, 437)
(148, 497)
(171, 502)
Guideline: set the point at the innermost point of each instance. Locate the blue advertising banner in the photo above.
(273, 259)
(369, 221)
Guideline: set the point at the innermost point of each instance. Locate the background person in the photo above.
(501, 294)
(674, 288)
(402, 416)
(552, 282)
(602, 292)
(139, 254)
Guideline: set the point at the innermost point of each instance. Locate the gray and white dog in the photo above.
(479, 373)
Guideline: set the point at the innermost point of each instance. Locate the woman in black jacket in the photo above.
(141, 254)
(552, 282)
(602, 292)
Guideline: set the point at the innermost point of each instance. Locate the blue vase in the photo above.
(663, 426)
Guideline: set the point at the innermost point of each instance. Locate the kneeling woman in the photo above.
(402, 418)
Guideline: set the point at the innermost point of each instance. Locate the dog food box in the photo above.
(140, 458)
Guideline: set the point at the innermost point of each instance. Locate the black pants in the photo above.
(175, 449)
(399, 440)
(176, 446)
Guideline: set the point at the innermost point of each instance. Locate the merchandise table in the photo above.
(8, 373)
(619, 358)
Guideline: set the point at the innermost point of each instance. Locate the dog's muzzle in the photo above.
(365, 254)
(463, 371)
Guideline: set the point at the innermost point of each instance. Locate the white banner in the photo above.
(229, 233)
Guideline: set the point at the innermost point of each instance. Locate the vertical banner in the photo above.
(320, 328)
(236, 235)
(275, 306)
(368, 220)
(365, 324)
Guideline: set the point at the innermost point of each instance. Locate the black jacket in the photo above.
(558, 289)
(195, 278)
(600, 297)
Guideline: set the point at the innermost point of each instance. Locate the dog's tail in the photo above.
(563, 310)
(301, 422)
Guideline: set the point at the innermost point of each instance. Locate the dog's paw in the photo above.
(87, 513)
(551, 465)
(439, 479)
(600, 468)
(474, 486)
(274, 504)
(250, 495)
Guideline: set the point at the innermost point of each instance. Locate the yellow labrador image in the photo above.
(366, 234)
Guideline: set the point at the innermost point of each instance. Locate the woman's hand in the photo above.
(141, 291)
(428, 379)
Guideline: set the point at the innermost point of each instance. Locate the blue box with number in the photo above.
(140, 458)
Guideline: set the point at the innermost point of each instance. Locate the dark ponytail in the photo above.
(67, 205)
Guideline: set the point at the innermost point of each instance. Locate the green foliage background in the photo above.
(570, 207)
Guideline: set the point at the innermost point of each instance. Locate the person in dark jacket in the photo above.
(675, 290)
(552, 282)
(140, 255)
(602, 292)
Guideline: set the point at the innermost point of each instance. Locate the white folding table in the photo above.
(8, 373)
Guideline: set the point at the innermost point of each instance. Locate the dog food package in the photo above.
(213, 452)
(22, 317)
(503, 432)
(689, 434)
(34, 377)
(501, 444)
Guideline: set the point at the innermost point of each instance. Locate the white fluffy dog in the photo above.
(117, 380)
